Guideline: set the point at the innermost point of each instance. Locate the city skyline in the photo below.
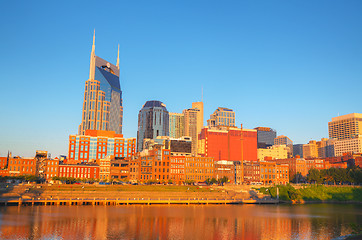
(293, 82)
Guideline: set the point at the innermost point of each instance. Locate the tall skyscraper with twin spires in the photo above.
(102, 106)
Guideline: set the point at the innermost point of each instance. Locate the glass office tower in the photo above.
(102, 106)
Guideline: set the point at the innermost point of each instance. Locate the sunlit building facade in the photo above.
(95, 145)
(346, 126)
(176, 125)
(222, 117)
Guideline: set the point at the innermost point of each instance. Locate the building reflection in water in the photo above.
(178, 222)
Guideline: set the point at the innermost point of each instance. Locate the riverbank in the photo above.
(315, 193)
(126, 191)
(171, 193)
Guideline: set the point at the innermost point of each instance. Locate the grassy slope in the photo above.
(316, 193)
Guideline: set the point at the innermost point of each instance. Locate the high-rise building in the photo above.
(222, 117)
(200, 115)
(153, 121)
(310, 150)
(266, 137)
(191, 119)
(102, 105)
(284, 140)
(346, 126)
(176, 125)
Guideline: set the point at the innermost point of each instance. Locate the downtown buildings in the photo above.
(190, 151)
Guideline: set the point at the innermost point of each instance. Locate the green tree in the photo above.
(314, 176)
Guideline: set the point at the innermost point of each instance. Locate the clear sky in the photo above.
(289, 65)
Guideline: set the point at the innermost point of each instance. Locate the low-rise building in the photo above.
(251, 170)
(224, 168)
(82, 171)
(198, 169)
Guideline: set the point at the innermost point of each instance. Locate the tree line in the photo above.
(351, 175)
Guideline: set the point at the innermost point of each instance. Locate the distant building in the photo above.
(284, 140)
(266, 137)
(102, 105)
(153, 121)
(351, 145)
(222, 117)
(176, 125)
(310, 150)
(200, 115)
(191, 119)
(298, 150)
(177, 146)
(95, 145)
(273, 152)
(346, 126)
(326, 148)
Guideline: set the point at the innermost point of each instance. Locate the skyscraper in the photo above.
(200, 115)
(153, 121)
(176, 125)
(102, 106)
(191, 117)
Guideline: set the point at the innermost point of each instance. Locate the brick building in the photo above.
(83, 171)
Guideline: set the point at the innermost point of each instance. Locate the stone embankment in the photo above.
(128, 191)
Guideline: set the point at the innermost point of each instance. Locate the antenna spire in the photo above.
(118, 58)
(93, 58)
(94, 40)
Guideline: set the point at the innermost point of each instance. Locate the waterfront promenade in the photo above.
(130, 201)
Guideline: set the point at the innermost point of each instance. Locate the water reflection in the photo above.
(320, 221)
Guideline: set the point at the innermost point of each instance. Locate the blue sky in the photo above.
(289, 65)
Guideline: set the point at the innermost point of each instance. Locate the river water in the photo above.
(311, 221)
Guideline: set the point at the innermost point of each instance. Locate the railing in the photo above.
(129, 201)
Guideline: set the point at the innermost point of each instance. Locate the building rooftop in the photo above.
(347, 116)
(154, 103)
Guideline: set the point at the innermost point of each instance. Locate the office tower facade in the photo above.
(191, 119)
(326, 147)
(222, 117)
(176, 125)
(346, 126)
(310, 150)
(266, 136)
(97, 144)
(102, 105)
(284, 140)
(351, 145)
(200, 115)
(298, 150)
(153, 121)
